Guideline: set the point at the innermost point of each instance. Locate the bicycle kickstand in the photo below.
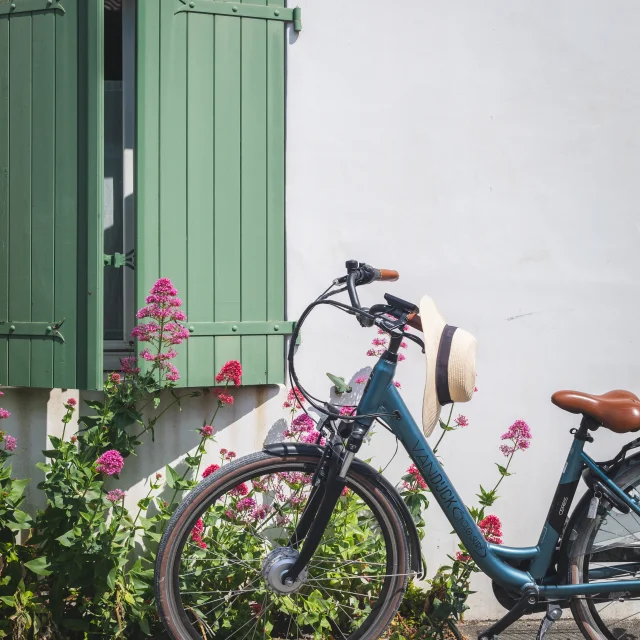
(526, 603)
(554, 613)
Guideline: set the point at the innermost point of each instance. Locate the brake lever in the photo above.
(414, 338)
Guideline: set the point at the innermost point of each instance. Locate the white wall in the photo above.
(489, 151)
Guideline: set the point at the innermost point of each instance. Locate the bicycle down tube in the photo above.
(380, 395)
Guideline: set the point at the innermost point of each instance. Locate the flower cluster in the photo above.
(294, 400)
(379, 346)
(129, 366)
(115, 495)
(413, 481)
(302, 427)
(519, 436)
(231, 372)
(461, 421)
(206, 431)
(110, 463)
(196, 534)
(10, 443)
(163, 330)
(212, 468)
(491, 529)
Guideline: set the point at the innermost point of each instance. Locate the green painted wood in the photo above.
(51, 195)
(276, 250)
(28, 6)
(254, 10)
(227, 207)
(210, 173)
(43, 192)
(20, 152)
(66, 198)
(4, 192)
(200, 194)
(254, 193)
(244, 328)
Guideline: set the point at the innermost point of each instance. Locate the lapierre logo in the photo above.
(439, 487)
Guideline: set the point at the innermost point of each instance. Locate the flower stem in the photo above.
(444, 431)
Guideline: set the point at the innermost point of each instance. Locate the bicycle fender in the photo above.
(284, 449)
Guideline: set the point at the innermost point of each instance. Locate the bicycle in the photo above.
(267, 576)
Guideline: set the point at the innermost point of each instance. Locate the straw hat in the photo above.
(451, 364)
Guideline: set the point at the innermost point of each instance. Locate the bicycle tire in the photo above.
(167, 576)
(594, 544)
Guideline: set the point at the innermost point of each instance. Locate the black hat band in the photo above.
(442, 365)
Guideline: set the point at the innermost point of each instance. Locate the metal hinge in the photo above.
(242, 10)
(118, 260)
(33, 329)
(24, 6)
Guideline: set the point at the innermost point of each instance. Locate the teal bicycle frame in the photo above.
(381, 396)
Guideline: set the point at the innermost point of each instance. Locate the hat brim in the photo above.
(433, 325)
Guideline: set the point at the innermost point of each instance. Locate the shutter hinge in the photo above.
(27, 6)
(242, 10)
(118, 260)
(33, 329)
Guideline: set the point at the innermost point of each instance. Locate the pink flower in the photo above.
(207, 431)
(397, 385)
(462, 557)
(361, 380)
(114, 378)
(129, 365)
(240, 490)
(1, 394)
(417, 483)
(312, 438)
(294, 400)
(260, 513)
(4, 414)
(223, 398)
(520, 436)
(379, 342)
(347, 411)
(401, 357)
(345, 492)
(223, 452)
(303, 422)
(491, 529)
(115, 495)
(230, 455)
(245, 504)
(158, 476)
(10, 443)
(403, 345)
(230, 372)
(72, 402)
(212, 468)
(461, 421)
(74, 439)
(110, 463)
(173, 373)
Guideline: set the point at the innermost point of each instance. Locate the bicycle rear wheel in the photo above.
(221, 556)
(607, 548)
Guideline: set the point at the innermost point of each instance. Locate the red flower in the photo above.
(462, 557)
(114, 377)
(72, 402)
(230, 372)
(491, 529)
(206, 431)
(223, 398)
(212, 468)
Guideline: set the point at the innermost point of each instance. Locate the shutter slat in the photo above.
(254, 194)
(275, 57)
(66, 197)
(20, 146)
(43, 193)
(4, 191)
(227, 183)
(200, 190)
(173, 155)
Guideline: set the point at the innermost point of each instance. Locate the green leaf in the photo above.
(17, 489)
(111, 578)
(67, 539)
(172, 477)
(39, 566)
(96, 405)
(503, 470)
(156, 402)
(144, 626)
(8, 600)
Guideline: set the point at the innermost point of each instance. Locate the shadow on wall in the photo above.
(175, 432)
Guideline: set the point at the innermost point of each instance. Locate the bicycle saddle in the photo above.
(616, 410)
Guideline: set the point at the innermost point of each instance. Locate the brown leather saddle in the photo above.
(616, 410)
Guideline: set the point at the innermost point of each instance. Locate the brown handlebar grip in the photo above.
(415, 321)
(389, 275)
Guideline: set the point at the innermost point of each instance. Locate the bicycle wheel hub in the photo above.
(276, 564)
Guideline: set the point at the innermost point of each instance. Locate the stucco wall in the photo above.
(489, 152)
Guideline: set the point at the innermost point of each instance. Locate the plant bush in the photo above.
(82, 567)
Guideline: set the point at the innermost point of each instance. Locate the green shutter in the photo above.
(210, 179)
(51, 193)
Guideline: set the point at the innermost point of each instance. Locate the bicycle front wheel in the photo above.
(223, 552)
(607, 548)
